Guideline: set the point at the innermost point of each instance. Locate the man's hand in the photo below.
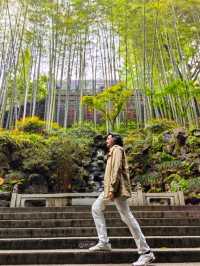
(111, 195)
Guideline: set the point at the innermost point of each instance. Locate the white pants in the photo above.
(127, 217)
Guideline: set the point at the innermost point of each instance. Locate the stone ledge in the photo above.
(152, 264)
(68, 199)
(51, 200)
(77, 256)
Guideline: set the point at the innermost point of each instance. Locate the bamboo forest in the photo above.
(72, 70)
(150, 46)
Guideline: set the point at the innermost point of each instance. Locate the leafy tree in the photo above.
(110, 102)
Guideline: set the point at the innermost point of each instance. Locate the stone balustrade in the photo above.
(66, 199)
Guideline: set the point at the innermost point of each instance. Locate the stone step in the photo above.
(87, 208)
(63, 256)
(127, 264)
(88, 215)
(89, 222)
(91, 231)
(86, 242)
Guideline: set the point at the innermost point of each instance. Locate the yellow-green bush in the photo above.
(34, 125)
(53, 157)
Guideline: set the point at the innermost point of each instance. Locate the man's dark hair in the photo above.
(117, 139)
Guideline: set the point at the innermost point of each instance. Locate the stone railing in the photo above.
(53, 200)
(164, 198)
(66, 199)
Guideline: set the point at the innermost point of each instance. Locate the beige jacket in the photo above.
(116, 178)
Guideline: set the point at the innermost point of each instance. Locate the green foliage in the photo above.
(122, 128)
(169, 165)
(80, 134)
(193, 141)
(125, 128)
(180, 185)
(36, 159)
(109, 102)
(165, 157)
(12, 179)
(174, 177)
(65, 156)
(164, 55)
(179, 90)
(23, 82)
(148, 179)
(34, 125)
(157, 126)
(194, 185)
(60, 157)
(136, 144)
(160, 63)
(134, 137)
(180, 87)
(157, 167)
(85, 130)
(31, 124)
(57, 157)
(156, 142)
(41, 87)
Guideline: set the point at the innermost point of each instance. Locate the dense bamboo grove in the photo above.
(153, 46)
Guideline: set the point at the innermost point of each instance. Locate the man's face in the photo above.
(109, 141)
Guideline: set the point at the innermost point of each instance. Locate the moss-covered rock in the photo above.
(161, 153)
(157, 126)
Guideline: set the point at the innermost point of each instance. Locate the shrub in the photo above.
(67, 161)
(157, 126)
(181, 184)
(34, 125)
(31, 124)
(11, 179)
(194, 185)
(54, 157)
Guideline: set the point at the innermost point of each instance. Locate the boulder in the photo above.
(36, 184)
(180, 136)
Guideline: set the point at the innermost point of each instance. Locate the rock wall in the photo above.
(97, 164)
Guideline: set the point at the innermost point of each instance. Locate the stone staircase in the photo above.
(63, 235)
